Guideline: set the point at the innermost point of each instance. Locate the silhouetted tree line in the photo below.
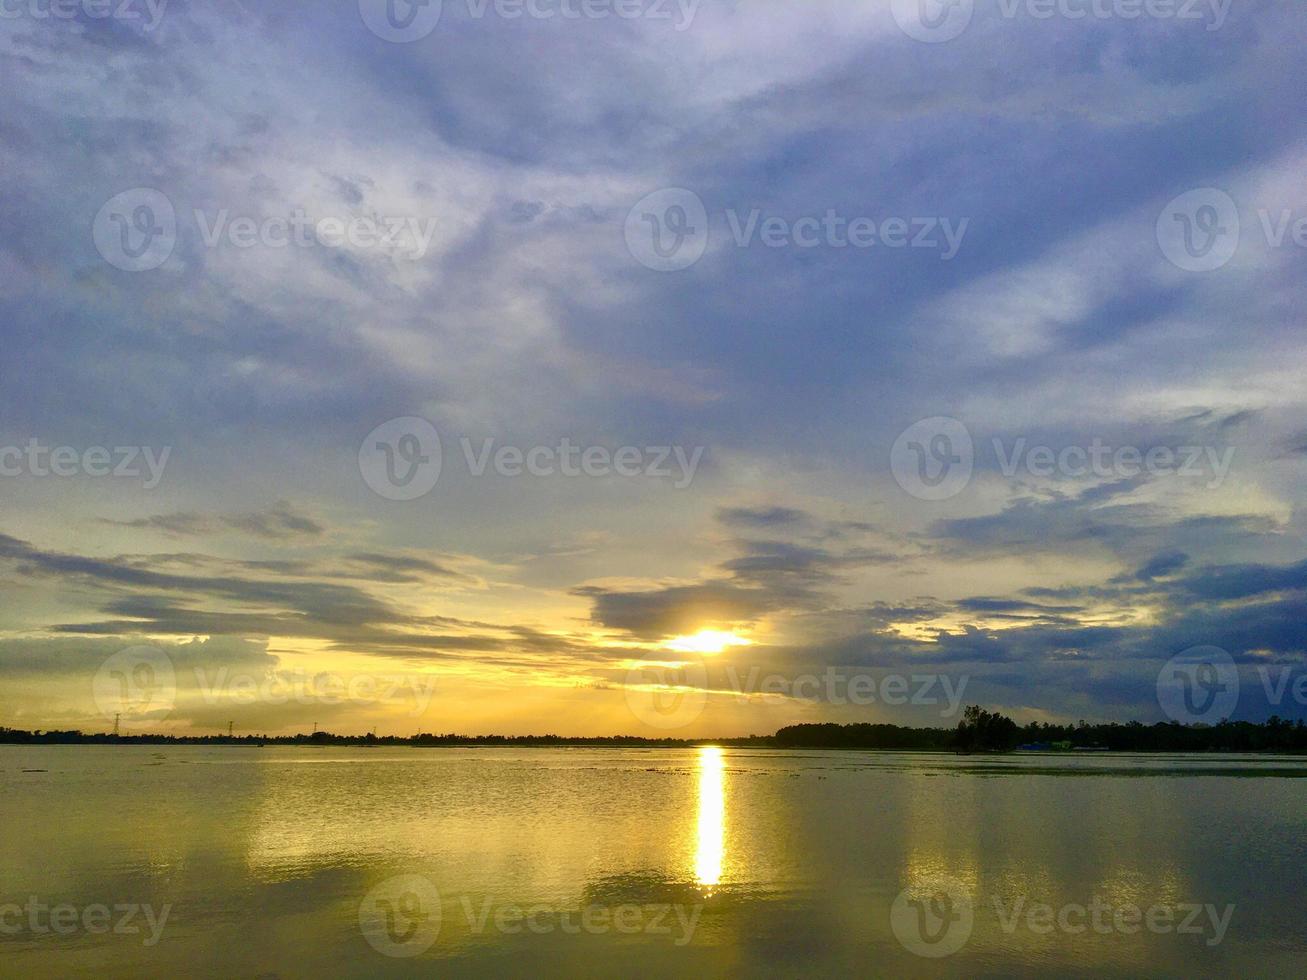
(987, 731)
(978, 731)
(1274, 735)
(863, 736)
(13, 736)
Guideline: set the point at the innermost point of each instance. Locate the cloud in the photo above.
(279, 521)
(81, 657)
(756, 518)
(1101, 518)
(765, 576)
(527, 321)
(1162, 565)
(676, 609)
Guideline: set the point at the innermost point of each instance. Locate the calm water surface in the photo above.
(281, 862)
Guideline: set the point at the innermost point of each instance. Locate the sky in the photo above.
(631, 367)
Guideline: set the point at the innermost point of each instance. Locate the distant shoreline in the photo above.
(364, 741)
(734, 743)
(980, 732)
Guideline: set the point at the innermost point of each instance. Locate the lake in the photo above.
(299, 862)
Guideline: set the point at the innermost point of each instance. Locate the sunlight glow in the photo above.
(707, 641)
(712, 817)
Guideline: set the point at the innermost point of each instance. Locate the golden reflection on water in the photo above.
(712, 817)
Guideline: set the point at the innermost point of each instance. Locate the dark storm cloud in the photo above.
(1101, 517)
(1161, 565)
(676, 609)
(1244, 581)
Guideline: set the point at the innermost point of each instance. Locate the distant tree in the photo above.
(986, 731)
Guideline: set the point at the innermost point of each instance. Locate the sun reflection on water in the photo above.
(712, 818)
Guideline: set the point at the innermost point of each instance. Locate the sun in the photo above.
(707, 642)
